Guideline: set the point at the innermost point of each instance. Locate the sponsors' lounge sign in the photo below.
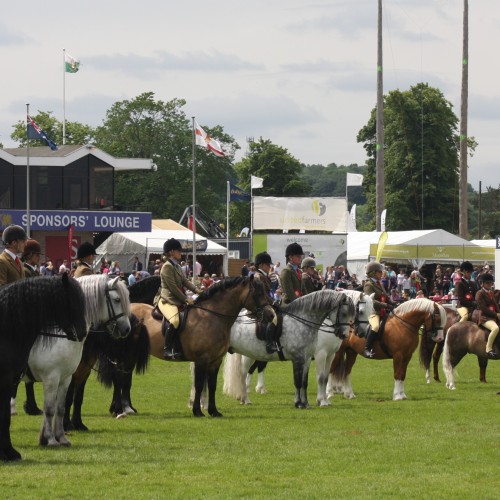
(60, 220)
(308, 214)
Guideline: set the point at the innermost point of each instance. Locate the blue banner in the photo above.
(60, 220)
(237, 194)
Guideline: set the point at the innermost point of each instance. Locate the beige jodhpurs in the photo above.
(493, 327)
(170, 312)
(374, 321)
(464, 314)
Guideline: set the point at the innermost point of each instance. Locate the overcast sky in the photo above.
(300, 73)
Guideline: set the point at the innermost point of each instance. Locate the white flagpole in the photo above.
(251, 221)
(27, 173)
(64, 96)
(228, 198)
(194, 202)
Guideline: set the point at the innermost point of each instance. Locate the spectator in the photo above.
(64, 267)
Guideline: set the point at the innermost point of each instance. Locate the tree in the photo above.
(420, 160)
(279, 169)
(76, 132)
(146, 128)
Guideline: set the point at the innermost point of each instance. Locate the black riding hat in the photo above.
(85, 249)
(293, 249)
(171, 244)
(486, 278)
(13, 233)
(263, 258)
(466, 266)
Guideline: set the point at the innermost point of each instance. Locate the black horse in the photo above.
(29, 308)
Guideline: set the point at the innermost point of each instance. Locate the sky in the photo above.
(300, 73)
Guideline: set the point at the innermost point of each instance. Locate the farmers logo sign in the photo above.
(318, 207)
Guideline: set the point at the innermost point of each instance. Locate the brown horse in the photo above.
(205, 336)
(398, 341)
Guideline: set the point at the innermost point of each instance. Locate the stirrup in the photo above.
(492, 354)
(369, 353)
(271, 348)
(169, 353)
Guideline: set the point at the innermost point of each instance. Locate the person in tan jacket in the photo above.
(85, 256)
(11, 268)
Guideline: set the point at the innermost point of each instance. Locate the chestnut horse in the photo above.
(398, 340)
(205, 336)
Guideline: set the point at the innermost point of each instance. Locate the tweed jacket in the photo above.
(381, 298)
(9, 272)
(83, 269)
(29, 272)
(308, 284)
(290, 284)
(174, 284)
(263, 278)
(466, 291)
(487, 304)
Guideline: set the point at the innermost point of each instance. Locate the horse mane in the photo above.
(220, 286)
(424, 305)
(322, 299)
(94, 289)
(31, 305)
(144, 290)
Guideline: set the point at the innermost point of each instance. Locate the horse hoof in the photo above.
(31, 410)
(121, 415)
(215, 414)
(300, 405)
(80, 427)
(9, 455)
(198, 413)
(261, 390)
(130, 411)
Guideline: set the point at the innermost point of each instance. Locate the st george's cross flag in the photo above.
(35, 132)
(206, 141)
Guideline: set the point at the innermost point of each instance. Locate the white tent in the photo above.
(410, 247)
(124, 246)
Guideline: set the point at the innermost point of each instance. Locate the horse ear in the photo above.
(372, 296)
(113, 282)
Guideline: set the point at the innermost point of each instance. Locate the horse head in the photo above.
(436, 322)
(342, 316)
(364, 309)
(258, 302)
(118, 309)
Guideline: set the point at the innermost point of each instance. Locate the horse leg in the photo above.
(483, 364)
(116, 407)
(450, 361)
(351, 357)
(30, 406)
(200, 376)
(212, 387)
(245, 373)
(70, 394)
(300, 374)
(323, 362)
(399, 363)
(435, 359)
(76, 419)
(250, 375)
(59, 415)
(7, 451)
(126, 381)
(46, 437)
(260, 388)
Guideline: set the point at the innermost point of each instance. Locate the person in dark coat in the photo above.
(490, 312)
(85, 256)
(291, 275)
(466, 290)
(31, 258)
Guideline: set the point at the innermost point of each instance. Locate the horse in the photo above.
(465, 338)
(205, 334)
(237, 382)
(106, 312)
(398, 339)
(27, 308)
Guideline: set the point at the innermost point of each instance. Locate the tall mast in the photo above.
(379, 154)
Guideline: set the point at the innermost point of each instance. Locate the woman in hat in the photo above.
(490, 312)
(85, 257)
(310, 282)
(172, 296)
(291, 274)
(31, 258)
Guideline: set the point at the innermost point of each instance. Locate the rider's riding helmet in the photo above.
(13, 233)
(308, 262)
(293, 249)
(466, 266)
(486, 278)
(373, 267)
(263, 258)
(171, 244)
(84, 250)
(32, 246)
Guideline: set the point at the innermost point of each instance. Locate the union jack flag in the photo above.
(35, 132)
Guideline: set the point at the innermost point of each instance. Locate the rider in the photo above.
(291, 274)
(172, 295)
(381, 303)
(31, 258)
(466, 290)
(310, 282)
(85, 256)
(263, 263)
(488, 306)
(14, 238)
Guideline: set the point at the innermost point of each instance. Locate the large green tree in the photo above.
(147, 128)
(420, 160)
(280, 171)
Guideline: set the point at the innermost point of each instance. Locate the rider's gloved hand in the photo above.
(189, 301)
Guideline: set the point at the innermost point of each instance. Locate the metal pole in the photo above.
(194, 202)
(228, 196)
(27, 173)
(64, 96)
(480, 229)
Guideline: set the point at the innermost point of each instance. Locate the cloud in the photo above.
(9, 37)
(147, 66)
(484, 107)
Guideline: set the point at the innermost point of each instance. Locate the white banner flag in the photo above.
(256, 182)
(354, 180)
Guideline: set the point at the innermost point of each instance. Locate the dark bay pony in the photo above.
(398, 342)
(29, 308)
(205, 337)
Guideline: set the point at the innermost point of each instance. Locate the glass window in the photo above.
(101, 184)
(76, 185)
(6, 185)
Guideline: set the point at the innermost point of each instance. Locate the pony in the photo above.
(106, 312)
(464, 338)
(398, 339)
(205, 334)
(237, 383)
(28, 308)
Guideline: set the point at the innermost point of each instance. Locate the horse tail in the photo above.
(448, 369)
(232, 376)
(142, 349)
(339, 367)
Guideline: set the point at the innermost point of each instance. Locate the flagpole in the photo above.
(27, 173)
(251, 221)
(64, 96)
(194, 203)
(226, 270)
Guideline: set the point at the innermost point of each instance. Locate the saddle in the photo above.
(158, 316)
(260, 328)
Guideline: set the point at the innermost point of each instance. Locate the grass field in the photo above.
(437, 444)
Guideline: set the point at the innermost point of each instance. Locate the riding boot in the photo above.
(169, 351)
(271, 346)
(370, 338)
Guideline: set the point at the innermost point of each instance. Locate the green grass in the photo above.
(437, 444)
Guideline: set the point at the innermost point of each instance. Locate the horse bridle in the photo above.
(433, 330)
(357, 321)
(110, 325)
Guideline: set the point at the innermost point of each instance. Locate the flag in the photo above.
(354, 180)
(206, 141)
(381, 245)
(35, 132)
(237, 194)
(353, 214)
(383, 216)
(256, 182)
(71, 65)
(71, 229)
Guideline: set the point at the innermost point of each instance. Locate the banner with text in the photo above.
(308, 214)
